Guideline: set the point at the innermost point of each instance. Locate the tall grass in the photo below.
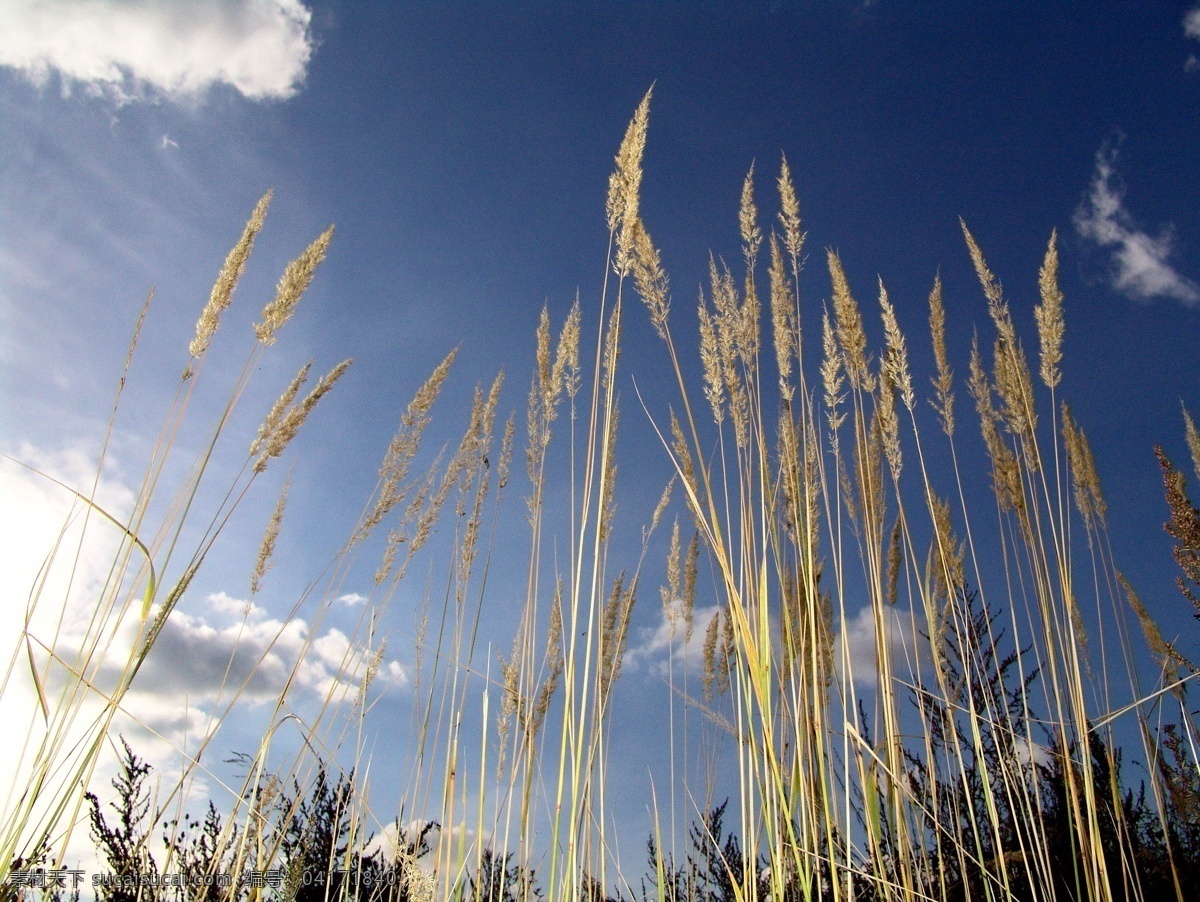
(975, 754)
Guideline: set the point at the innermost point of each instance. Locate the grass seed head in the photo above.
(783, 320)
(789, 214)
(1193, 440)
(279, 408)
(895, 360)
(650, 279)
(292, 284)
(266, 549)
(227, 279)
(1049, 315)
(851, 336)
(832, 377)
(748, 221)
(621, 206)
(943, 383)
(295, 416)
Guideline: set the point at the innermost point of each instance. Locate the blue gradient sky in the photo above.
(463, 150)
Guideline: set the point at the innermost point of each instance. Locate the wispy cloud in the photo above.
(657, 645)
(1141, 267)
(1191, 28)
(126, 49)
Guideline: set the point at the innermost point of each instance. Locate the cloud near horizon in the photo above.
(172, 49)
(1140, 261)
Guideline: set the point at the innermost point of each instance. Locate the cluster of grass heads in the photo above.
(974, 755)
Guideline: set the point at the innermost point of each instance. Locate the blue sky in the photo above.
(463, 150)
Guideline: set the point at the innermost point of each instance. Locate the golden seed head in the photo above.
(621, 205)
(831, 375)
(281, 405)
(227, 279)
(663, 500)
(943, 383)
(1149, 628)
(403, 447)
(889, 423)
(710, 360)
(851, 336)
(1193, 440)
(266, 550)
(1049, 315)
(748, 221)
(1089, 500)
(895, 361)
(894, 561)
(691, 566)
(608, 496)
(650, 280)
(671, 592)
(292, 285)
(683, 459)
(997, 306)
(506, 452)
(789, 214)
(783, 319)
(295, 416)
(709, 678)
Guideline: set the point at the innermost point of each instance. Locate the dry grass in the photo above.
(972, 754)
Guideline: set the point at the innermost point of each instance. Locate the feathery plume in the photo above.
(831, 377)
(292, 285)
(710, 360)
(1161, 649)
(614, 634)
(266, 550)
(783, 320)
(789, 214)
(403, 447)
(850, 333)
(943, 383)
(708, 679)
(227, 279)
(621, 205)
(1193, 440)
(281, 405)
(1006, 479)
(1089, 500)
(1184, 528)
(997, 306)
(650, 280)
(690, 571)
(748, 221)
(894, 560)
(1049, 315)
(663, 500)
(671, 592)
(294, 418)
(895, 361)
(683, 458)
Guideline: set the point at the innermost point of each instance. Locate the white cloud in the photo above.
(172, 48)
(258, 656)
(1191, 23)
(203, 656)
(352, 598)
(659, 644)
(855, 648)
(1140, 261)
(1191, 29)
